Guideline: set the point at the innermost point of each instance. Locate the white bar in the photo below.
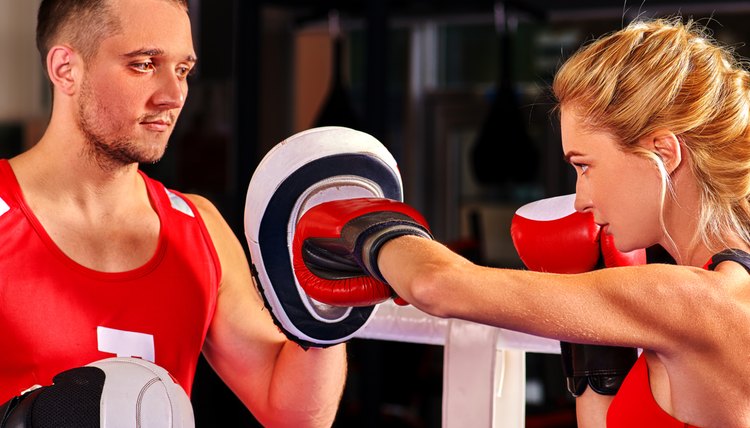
(409, 324)
(484, 373)
(510, 389)
(469, 369)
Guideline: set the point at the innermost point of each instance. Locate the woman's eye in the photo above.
(582, 167)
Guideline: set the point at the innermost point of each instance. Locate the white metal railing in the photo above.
(484, 373)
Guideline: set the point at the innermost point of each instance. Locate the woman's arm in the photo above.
(591, 409)
(639, 306)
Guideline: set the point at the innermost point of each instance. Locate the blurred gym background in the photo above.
(458, 92)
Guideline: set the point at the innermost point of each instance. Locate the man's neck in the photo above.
(57, 168)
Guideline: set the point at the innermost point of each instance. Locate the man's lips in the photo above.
(159, 125)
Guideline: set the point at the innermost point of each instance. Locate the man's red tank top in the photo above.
(56, 314)
(634, 405)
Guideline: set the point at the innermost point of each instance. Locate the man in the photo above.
(100, 260)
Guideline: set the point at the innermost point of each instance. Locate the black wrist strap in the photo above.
(603, 368)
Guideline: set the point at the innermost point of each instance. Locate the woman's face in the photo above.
(620, 189)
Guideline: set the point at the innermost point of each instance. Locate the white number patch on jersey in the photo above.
(126, 343)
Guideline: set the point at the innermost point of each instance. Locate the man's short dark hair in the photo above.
(80, 23)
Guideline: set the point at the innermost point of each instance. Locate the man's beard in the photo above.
(106, 148)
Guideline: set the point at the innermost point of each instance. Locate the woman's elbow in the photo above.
(430, 291)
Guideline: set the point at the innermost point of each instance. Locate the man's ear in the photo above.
(667, 146)
(62, 70)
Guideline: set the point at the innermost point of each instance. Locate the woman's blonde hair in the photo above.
(666, 74)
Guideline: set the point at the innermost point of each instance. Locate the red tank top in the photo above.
(634, 405)
(56, 314)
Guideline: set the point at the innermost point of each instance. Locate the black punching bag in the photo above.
(337, 109)
(503, 152)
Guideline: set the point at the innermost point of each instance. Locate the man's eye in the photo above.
(582, 167)
(143, 66)
(184, 71)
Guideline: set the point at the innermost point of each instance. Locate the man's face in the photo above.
(135, 86)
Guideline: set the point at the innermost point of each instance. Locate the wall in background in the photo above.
(23, 93)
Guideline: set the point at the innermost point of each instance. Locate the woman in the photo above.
(662, 97)
(655, 119)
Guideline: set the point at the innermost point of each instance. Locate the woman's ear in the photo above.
(667, 146)
(61, 68)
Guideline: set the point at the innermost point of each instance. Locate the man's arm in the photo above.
(279, 382)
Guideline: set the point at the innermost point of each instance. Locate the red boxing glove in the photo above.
(336, 245)
(551, 236)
